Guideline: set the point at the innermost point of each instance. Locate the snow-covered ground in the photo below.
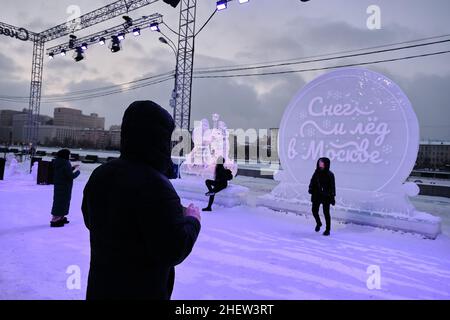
(241, 253)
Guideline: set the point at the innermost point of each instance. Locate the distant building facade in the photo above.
(114, 136)
(67, 117)
(19, 126)
(56, 135)
(69, 127)
(6, 123)
(433, 154)
(6, 117)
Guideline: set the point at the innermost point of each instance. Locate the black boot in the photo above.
(318, 227)
(326, 233)
(65, 220)
(210, 202)
(57, 224)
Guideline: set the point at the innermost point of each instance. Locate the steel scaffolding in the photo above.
(34, 105)
(185, 64)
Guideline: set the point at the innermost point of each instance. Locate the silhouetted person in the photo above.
(220, 182)
(138, 228)
(323, 191)
(62, 191)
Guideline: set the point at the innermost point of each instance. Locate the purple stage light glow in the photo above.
(154, 26)
(221, 5)
(136, 31)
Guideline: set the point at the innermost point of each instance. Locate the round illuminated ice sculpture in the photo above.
(209, 145)
(366, 125)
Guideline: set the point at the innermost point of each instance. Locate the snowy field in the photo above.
(241, 253)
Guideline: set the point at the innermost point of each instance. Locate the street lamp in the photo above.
(164, 40)
(172, 101)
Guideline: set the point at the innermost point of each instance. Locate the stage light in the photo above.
(222, 4)
(136, 31)
(243, 1)
(84, 46)
(72, 41)
(63, 52)
(154, 26)
(102, 41)
(128, 21)
(121, 36)
(115, 44)
(78, 56)
(51, 55)
(173, 3)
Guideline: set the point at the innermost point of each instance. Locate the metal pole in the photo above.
(35, 91)
(185, 63)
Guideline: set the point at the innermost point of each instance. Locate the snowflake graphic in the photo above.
(387, 149)
(302, 115)
(336, 95)
(310, 132)
(326, 124)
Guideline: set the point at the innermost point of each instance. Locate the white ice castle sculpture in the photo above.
(199, 165)
(209, 145)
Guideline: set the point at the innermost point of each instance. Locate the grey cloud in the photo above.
(240, 105)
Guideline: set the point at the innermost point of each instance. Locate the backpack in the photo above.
(228, 174)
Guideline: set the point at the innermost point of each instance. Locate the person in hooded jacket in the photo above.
(64, 174)
(139, 231)
(220, 182)
(323, 191)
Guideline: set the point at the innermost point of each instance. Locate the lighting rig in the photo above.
(185, 49)
(114, 34)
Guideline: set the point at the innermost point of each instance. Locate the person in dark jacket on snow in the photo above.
(220, 182)
(139, 231)
(64, 174)
(323, 191)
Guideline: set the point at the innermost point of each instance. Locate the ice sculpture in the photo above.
(366, 125)
(13, 167)
(209, 144)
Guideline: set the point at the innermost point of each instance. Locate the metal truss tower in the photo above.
(34, 105)
(185, 64)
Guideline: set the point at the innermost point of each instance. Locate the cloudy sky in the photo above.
(257, 32)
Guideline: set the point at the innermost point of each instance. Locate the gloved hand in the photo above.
(333, 201)
(192, 211)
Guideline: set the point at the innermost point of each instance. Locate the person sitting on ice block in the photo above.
(139, 231)
(220, 182)
(64, 174)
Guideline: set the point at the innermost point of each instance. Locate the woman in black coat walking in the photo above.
(62, 192)
(323, 191)
(220, 182)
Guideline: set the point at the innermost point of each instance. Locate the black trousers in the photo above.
(326, 213)
(214, 186)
